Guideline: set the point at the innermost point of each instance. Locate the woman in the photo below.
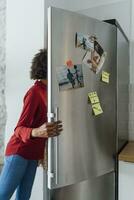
(27, 143)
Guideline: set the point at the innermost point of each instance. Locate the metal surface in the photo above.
(56, 147)
(122, 97)
(101, 188)
(122, 90)
(87, 143)
(116, 23)
(123, 80)
(122, 94)
(50, 116)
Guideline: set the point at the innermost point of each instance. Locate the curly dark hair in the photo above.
(39, 65)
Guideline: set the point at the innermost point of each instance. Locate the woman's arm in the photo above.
(48, 129)
(24, 128)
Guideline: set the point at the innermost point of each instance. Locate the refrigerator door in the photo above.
(123, 89)
(123, 72)
(86, 147)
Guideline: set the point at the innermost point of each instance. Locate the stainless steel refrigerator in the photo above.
(81, 161)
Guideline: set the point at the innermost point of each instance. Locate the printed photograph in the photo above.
(85, 42)
(95, 56)
(94, 61)
(70, 77)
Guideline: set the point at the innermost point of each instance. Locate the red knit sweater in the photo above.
(33, 115)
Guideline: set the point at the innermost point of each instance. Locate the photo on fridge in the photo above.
(70, 77)
(85, 42)
(94, 61)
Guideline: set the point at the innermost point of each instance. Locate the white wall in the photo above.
(2, 78)
(126, 180)
(25, 36)
(76, 5)
(120, 10)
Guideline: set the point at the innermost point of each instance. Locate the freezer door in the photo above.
(100, 188)
(86, 147)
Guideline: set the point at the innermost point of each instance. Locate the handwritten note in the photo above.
(93, 97)
(96, 106)
(97, 110)
(105, 76)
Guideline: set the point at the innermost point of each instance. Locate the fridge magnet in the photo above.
(97, 110)
(105, 77)
(70, 77)
(85, 42)
(93, 97)
(69, 63)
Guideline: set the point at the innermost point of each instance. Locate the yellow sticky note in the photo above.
(105, 77)
(97, 110)
(93, 97)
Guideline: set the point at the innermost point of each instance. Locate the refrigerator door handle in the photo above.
(56, 147)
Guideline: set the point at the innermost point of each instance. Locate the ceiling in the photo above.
(76, 5)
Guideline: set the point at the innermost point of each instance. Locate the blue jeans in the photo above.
(17, 173)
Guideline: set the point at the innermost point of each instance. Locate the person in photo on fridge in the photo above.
(77, 75)
(71, 78)
(26, 146)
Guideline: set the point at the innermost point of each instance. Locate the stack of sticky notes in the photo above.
(94, 99)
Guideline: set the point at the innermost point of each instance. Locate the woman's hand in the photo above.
(48, 129)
